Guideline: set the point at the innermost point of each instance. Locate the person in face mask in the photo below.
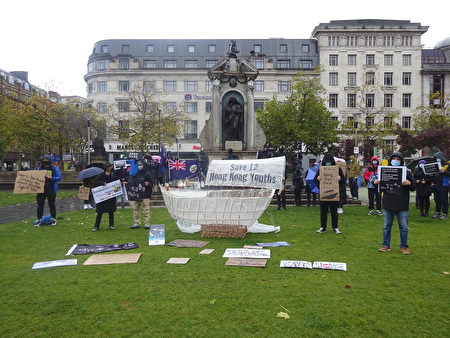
(52, 178)
(396, 203)
(109, 206)
(142, 181)
(423, 191)
(440, 187)
(370, 175)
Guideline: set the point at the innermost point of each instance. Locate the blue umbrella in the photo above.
(90, 172)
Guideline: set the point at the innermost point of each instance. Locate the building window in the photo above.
(124, 86)
(101, 107)
(370, 78)
(406, 100)
(333, 61)
(101, 65)
(351, 100)
(259, 86)
(370, 41)
(191, 48)
(257, 48)
(305, 48)
(258, 105)
(284, 86)
(388, 41)
(406, 122)
(210, 63)
(370, 59)
(169, 107)
(149, 86)
(101, 86)
(370, 121)
(370, 100)
(352, 41)
(124, 63)
(351, 79)
(351, 59)
(190, 130)
(208, 86)
(170, 86)
(190, 107)
(389, 145)
(208, 107)
(258, 63)
(284, 64)
(334, 118)
(406, 59)
(306, 64)
(389, 60)
(170, 48)
(123, 106)
(149, 64)
(90, 67)
(104, 49)
(211, 48)
(126, 49)
(150, 48)
(333, 79)
(170, 63)
(406, 78)
(283, 48)
(388, 121)
(388, 100)
(190, 86)
(190, 64)
(407, 40)
(90, 88)
(333, 41)
(333, 101)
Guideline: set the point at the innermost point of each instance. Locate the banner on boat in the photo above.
(262, 173)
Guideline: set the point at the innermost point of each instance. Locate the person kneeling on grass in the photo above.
(142, 183)
(396, 203)
(109, 206)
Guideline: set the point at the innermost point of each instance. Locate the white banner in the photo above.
(105, 192)
(246, 253)
(263, 173)
(296, 264)
(330, 266)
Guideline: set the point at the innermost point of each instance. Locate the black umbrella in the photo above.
(413, 164)
(90, 172)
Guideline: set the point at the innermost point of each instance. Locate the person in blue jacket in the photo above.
(52, 178)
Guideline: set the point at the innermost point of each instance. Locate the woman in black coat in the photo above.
(423, 188)
(109, 206)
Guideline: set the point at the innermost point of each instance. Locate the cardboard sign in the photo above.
(83, 193)
(296, 264)
(330, 266)
(185, 243)
(256, 263)
(52, 264)
(391, 177)
(432, 168)
(30, 182)
(206, 252)
(343, 167)
(246, 253)
(108, 191)
(112, 259)
(329, 183)
(174, 260)
(157, 235)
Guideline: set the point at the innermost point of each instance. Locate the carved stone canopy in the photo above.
(229, 70)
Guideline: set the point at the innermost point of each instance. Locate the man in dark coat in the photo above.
(423, 190)
(440, 187)
(297, 180)
(140, 192)
(109, 206)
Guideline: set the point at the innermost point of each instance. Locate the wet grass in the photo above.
(381, 294)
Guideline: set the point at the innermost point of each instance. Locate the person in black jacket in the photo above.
(440, 187)
(328, 160)
(396, 203)
(297, 180)
(110, 205)
(141, 187)
(423, 190)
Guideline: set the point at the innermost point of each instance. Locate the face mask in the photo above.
(140, 167)
(439, 160)
(328, 163)
(395, 162)
(375, 162)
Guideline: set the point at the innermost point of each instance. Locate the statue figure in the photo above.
(233, 50)
(233, 119)
(99, 147)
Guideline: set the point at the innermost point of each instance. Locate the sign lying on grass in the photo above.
(257, 263)
(273, 244)
(296, 264)
(206, 251)
(185, 243)
(30, 182)
(246, 253)
(108, 191)
(157, 235)
(329, 183)
(52, 264)
(330, 266)
(175, 260)
(112, 259)
(83, 249)
(391, 177)
(83, 192)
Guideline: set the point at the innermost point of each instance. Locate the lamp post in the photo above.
(355, 125)
(89, 140)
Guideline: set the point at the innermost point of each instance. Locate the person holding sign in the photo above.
(108, 206)
(370, 175)
(423, 191)
(440, 187)
(396, 203)
(329, 176)
(139, 192)
(52, 178)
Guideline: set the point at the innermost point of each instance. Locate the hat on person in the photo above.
(46, 158)
(422, 162)
(107, 164)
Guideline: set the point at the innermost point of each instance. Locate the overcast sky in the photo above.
(52, 39)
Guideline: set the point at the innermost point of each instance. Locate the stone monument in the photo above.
(232, 123)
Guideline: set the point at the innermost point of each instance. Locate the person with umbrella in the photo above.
(110, 205)
(88, 176)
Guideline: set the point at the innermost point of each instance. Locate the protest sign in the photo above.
(273, 244)
(343, 166)
(83, 192)
(246, 253)
(157, 235)
(263, 173)
(175, 260)
(391, 177)
(120, 164)
(432, 168)
(52, 264)
(30, 182)
(206, 251)
(112, 259)
(257, 263)
(186, 243)
(135, 190)
(108, 191)
(296, 264)
(329, 183)
(330, 266)
(83, 249)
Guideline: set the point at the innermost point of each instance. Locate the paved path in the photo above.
(13, 213)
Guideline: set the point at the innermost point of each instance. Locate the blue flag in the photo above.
(183, 169)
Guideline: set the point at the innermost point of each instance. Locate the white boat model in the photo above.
(257, 180)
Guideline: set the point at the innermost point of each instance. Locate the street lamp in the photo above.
(89, 140)
(356, 117)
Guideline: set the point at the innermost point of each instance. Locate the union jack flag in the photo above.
(177, 165)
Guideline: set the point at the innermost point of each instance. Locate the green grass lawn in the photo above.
(381, 294)
(8, 198)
